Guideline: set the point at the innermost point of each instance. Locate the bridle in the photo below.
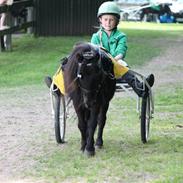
(85, 90)
(88, 56)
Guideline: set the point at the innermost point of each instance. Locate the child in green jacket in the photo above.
(114, 41)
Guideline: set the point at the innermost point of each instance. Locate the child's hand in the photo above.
(118, 57)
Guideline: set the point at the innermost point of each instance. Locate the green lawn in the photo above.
(33, 58)
(151, 26)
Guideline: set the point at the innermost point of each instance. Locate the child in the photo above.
(3, 15)
(114, 42)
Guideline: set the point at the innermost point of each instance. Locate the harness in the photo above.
(102, 74)
(119, 70)
(88, 56)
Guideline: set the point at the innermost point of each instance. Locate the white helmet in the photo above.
(109, 8)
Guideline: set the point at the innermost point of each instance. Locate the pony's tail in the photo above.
(48, 81)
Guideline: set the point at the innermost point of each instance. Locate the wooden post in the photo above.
(8, 37)
(2, 47)
(29, 19)
(8, 42)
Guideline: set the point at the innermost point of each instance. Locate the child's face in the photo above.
(108, 22)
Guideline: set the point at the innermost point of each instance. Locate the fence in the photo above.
(53, 18)
(66, 17)
(6, 33)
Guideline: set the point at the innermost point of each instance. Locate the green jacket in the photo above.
(115, 43)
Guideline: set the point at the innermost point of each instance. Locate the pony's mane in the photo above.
(70, 70)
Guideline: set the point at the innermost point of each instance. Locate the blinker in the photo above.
(88, 55)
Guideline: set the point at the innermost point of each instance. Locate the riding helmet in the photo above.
(109, 8)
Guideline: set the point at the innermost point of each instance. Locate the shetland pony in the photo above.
(90, 83)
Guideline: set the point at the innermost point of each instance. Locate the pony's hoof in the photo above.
(82, 149)
(98, 146)
(89, 153)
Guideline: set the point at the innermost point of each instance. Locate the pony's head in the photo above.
(88, 67)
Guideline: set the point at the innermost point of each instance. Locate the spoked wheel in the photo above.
(59, 108)
(145, 119)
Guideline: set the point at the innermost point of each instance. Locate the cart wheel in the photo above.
(145, 119)
(59, 117)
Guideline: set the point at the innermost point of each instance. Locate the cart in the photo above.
(62, 110)
(144, 107)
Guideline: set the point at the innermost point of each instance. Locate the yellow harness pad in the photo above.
(119, 70)
(58, 80)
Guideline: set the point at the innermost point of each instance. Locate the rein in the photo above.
(110, 75)
(71, 84)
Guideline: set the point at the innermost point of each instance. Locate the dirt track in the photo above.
(26, 123)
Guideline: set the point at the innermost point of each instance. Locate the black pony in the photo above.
(90, 83)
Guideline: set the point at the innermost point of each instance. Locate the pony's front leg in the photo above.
(101, 124)
(82, 125)
(92, 124)
(83, 129)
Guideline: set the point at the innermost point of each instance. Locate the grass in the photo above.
(124, 158)
(33, 58)
(151, 26)
(144, 39)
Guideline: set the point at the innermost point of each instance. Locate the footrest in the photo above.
(123, 87)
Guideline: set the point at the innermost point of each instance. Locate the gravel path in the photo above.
(167, 68)
(24, 119)
(25, 116)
